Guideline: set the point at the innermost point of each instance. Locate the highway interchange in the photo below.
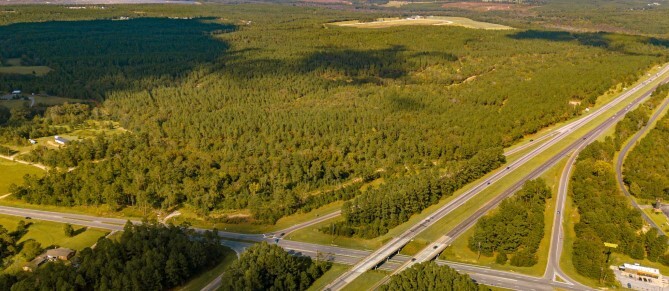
(386, 258)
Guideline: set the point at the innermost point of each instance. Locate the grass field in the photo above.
(44, 100)
(460, 252)
(658, 218)
(328, 277)
(366, 281)
(200, 281)
(428, 20)
(49, 234)
(26, 70)
(13, 172)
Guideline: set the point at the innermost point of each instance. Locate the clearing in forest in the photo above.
(424, 20)
(487, 6)
(14, 66)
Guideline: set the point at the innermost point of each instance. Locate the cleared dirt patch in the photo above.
(483, 6)
(427, 20)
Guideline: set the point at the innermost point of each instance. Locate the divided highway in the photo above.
(396, 244)
(366, 260)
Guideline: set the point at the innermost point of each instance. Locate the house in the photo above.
(16, 93)
(36, 262)
(60, 140)
(32, 141)
(63, 254)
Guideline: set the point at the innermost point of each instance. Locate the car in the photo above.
(413, 259)
(28, 217)
(276, 240)
(508, 167)
(435, 247)
(488, 183)
(558, 211)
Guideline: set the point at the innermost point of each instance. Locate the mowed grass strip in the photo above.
(366, 281)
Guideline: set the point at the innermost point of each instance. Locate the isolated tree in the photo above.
(68, 230)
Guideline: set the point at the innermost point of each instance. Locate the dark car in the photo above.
(28, 217)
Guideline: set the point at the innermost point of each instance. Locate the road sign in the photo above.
(610, 245)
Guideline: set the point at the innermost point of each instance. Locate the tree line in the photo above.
(605, 215)
(266, 266)
(378, 210)
(645, 167)
(150, 256)
(430, 276)
(516, 228)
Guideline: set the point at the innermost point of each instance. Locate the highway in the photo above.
(336, 254)
(395, 244)
(366, 260)
(623, 154)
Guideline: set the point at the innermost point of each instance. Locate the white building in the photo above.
(60, 140)
(642, 274)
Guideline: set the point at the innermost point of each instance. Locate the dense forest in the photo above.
(150, 256)
(430, 276)
(248, 111)
(516, 228)
(605, 215)
(647, 165)
(268, 267)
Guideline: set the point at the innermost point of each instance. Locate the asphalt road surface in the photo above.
(394, 245)
(623, 155)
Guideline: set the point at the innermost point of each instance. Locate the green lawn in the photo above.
(335, 271)
(366, 281)
(13, 172)
(658, 218)
(206, 277)
(49, 234)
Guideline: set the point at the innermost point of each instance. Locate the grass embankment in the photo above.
(460, 252)
(131, 213)
(366, 281)
(13, 172)
(335, 271)
(203, 279)
(285, 222)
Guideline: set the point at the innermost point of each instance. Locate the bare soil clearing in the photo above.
(427, 20)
